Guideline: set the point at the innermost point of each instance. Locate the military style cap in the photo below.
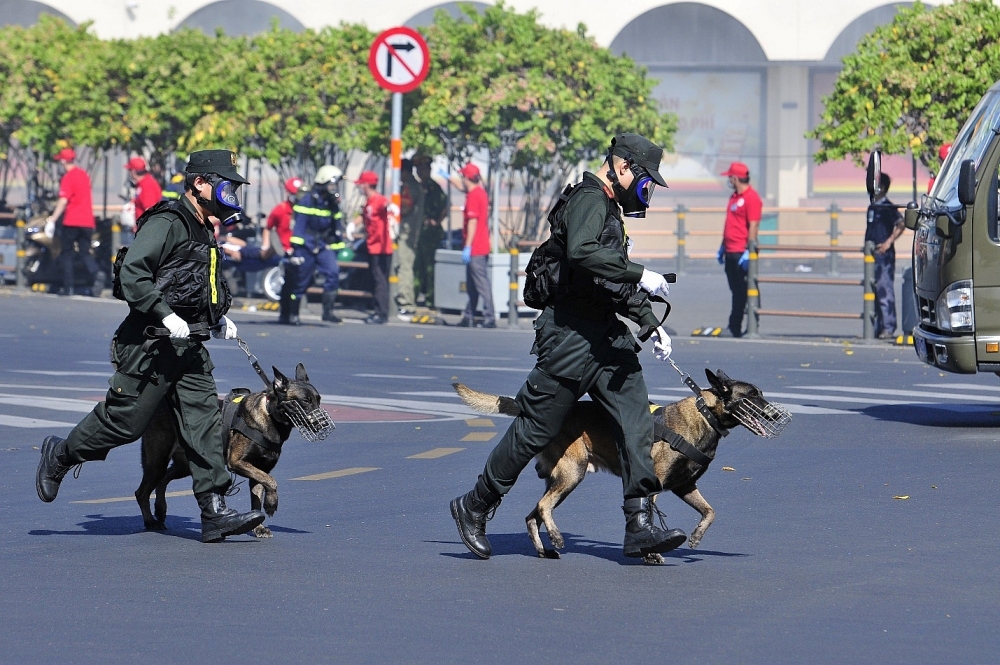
(219, 162)
(640, 150)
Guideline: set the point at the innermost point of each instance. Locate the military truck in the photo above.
(956, 250)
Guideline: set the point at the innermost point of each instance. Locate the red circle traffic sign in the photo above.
(399, 59)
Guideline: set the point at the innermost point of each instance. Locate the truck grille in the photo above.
(927, 311)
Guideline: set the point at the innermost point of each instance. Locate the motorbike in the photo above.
(41, 258)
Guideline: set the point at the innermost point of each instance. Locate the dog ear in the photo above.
(300, 373)
(280, 381)
(722, 376)
(719, 382)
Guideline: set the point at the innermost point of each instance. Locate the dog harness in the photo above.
(677, 442)
(234, 420)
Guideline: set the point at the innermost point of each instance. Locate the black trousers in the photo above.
(737, 277)
(381, 266)
(477, 285)
(71, 237)
(577, 358)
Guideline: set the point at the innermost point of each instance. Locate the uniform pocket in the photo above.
(541, 383)
(124, 385)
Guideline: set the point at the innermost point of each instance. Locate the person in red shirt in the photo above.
(77, 212)
(375, 217)
(147, 191)
(742, 220)
(279, 221)
(476, 247)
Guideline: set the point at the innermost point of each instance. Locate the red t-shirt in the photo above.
(280, 219)
(147, 194)
(743, 209)
(75, 188)
(376, 219)
(477, 206)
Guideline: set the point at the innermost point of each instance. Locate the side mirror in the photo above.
(967, 183)
(873, 174)
(911, 216)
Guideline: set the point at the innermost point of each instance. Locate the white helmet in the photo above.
(328, 173)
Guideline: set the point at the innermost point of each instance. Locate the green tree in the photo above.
(539, 100)
(911, 84)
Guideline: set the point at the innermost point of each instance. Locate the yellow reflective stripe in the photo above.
(213, 262)
(337, 245)
(237, 400)
(171, 195)
(296, 240)
(315, 212)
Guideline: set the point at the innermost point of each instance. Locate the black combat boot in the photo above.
(329, 298)
(642, 536)
(52, 468)
(471, 512)
(217, 521)
(289, 314)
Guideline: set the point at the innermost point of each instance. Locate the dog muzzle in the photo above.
(767, 422)
(313, 425)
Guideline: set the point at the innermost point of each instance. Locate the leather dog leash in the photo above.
(700, 401)
(253, 362)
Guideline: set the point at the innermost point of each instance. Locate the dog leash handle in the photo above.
(253, 362)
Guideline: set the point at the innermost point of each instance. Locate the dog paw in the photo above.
(694, 542)
(557, 540)
(653, 559)
(549, 554)
(262, 531)
(157, 525)
(270, 505)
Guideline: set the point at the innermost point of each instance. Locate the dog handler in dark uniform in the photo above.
(583, 347)
(171, 280)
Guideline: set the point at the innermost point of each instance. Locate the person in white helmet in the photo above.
(316, 239)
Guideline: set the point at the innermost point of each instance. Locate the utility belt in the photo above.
(582, 307)
(200, 332)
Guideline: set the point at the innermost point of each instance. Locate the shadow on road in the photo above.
(507, 544)
(937, 415)
(99, 525)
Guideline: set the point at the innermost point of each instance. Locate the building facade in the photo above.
(745, 77)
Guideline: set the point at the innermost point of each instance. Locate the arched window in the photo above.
(240, 17)
(711, 73)
(26, 12)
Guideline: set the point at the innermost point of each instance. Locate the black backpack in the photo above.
(547, 274)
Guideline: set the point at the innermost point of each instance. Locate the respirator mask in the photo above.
(635, 199)
(225, 202)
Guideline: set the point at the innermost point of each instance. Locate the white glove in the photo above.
(654, 283)
(177, 326)
(225, 330)
(661, 344)
(50, 227)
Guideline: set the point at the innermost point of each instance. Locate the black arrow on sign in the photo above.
(405, 46)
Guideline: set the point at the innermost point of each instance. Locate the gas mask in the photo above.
(225, 202)
(635, 199)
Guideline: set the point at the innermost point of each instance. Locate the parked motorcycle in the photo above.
(41, 258)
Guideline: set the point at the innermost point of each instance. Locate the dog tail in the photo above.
(485, 402)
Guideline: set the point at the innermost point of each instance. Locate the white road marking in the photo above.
(18, 421)
(46, 372)
(447, 411)
(52, 403)
(902, 393)
(449, 356)
(21, 386)
(459, 368)
(429, 393)
(960, 386)
(822, 371)
(117, 499)
(394, 376)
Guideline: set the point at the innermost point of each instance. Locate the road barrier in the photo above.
(867, 283)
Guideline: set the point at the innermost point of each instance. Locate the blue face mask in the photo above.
(226, 202)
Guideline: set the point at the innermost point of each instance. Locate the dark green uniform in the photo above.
(178, 370)
(583, 348)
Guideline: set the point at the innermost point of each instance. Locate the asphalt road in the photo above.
(867, 532)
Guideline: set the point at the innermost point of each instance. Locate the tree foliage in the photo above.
(911, 84)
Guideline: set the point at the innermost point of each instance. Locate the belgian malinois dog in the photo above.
(586, 443)
(268, 412)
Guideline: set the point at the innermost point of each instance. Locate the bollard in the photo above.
(21, 281)
(515, 268)
(834, 236)
(116, 236)
(681, 238)
(753, 292)
(868, 313)
(393, 305)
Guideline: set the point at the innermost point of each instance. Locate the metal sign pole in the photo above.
(396, 151)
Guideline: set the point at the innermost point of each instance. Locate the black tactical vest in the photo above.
(191, 278)
(597, 291)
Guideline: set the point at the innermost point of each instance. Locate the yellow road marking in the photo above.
(132, 498)
(436, 453)
(478, 436)
(479, 422)
(340, 473)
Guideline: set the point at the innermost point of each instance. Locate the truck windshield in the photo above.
(972, 143)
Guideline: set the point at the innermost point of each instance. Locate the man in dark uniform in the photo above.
(583, 347)
(171, 280)
(436, 208)
(316, 239)
(885, 225)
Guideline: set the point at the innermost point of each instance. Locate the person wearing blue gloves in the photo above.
(742, 220)
(476, 247)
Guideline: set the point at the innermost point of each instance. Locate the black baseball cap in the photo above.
(637, 149)
(220, 162)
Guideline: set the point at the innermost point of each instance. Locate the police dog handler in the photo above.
(583, 347)
(171, 280)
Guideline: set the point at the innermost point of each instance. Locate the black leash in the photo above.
(700, 401)
(646, 331)
(253, 362)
